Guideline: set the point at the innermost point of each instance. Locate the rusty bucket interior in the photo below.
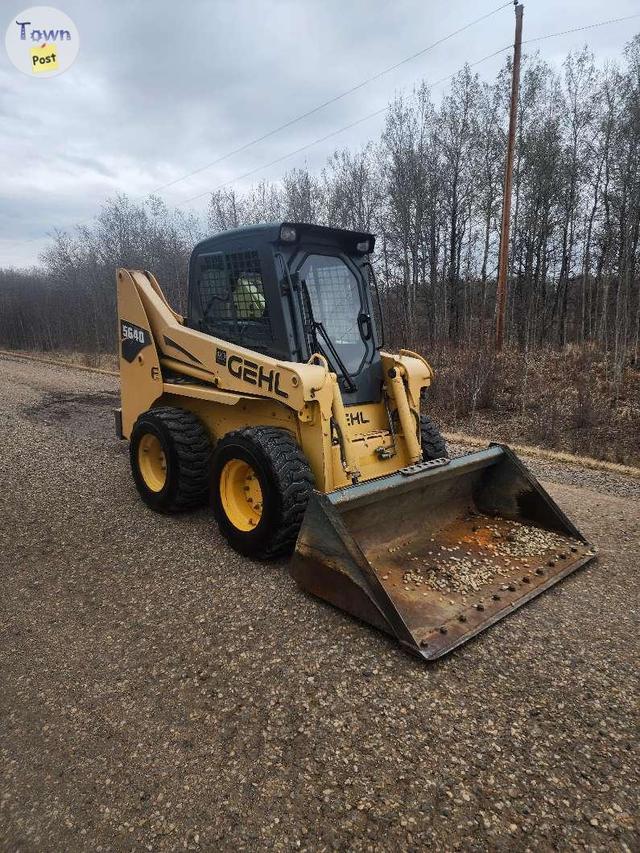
(437, 552)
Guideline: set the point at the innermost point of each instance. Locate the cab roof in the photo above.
(251, 236)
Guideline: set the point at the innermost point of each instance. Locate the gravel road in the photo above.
(160, 692)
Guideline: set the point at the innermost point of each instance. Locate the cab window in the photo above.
(336, 303)
(232, 298)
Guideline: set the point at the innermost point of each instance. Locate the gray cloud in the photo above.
(161, 88)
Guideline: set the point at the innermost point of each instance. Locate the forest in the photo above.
(430, 188)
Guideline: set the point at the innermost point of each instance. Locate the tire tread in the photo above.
(294, 482)
(433, 444)
(193, 450)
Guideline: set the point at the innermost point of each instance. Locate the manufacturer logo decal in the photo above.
(255, 374)
(354, 418)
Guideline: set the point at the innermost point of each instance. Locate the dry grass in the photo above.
(465, 440)
(95, 362)
(565, 401)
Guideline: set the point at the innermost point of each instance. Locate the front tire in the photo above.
(260, 487)
(433, 444)
(170, 453)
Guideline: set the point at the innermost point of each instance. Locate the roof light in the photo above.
(364, 246)
(288, 234)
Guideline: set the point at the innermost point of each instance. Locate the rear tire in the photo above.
(170, 455)
(433, 444)
(260, 487)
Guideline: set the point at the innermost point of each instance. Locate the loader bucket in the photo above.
(437, 552)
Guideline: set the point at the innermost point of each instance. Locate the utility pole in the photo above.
(503, 260)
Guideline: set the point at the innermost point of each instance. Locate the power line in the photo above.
(333, 133)
(579, 29)
(364, 118)
(316, 109)
(334, 99)
(384, 109)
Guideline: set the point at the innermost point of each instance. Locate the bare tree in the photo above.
(430, 187)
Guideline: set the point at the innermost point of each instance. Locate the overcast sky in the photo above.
(161, 88)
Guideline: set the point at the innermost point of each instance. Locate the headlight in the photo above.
(364, 246)
(288, 234)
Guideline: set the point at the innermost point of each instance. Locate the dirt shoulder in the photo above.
(161, 692)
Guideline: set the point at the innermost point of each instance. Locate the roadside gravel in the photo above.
(161, 692)
(573, 475)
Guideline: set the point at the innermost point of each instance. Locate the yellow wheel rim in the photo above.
(152, 462)
(241, 495)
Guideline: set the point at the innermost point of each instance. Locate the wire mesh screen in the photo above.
(248, 291)
(215, 288)
(335, 298)
(232, 298)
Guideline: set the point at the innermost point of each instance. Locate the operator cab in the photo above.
(290, 290)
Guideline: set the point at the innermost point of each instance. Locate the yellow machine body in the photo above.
(253, 389)
(412, 545)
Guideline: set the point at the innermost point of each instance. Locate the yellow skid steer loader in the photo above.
(275, 401)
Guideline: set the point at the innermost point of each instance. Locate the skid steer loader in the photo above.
(275, 401)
